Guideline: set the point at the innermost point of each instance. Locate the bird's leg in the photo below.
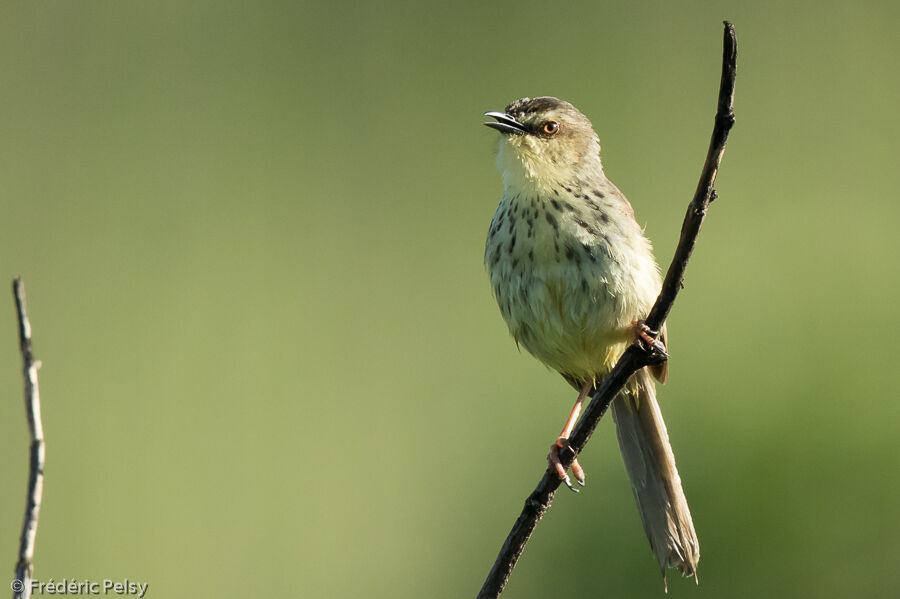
(563, 441)
(647, 338)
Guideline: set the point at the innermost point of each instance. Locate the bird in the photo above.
(574, 275)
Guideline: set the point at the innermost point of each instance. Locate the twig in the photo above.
(634, 357)
(21, 585)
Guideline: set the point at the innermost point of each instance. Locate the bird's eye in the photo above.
(550, 128)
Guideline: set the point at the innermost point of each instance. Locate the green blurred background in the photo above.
(252, 236)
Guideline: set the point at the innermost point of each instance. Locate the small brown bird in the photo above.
(574, 275)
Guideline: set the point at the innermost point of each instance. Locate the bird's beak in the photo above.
(505, 123)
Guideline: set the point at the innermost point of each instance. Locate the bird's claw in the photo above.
(554, 461)
(648, 340)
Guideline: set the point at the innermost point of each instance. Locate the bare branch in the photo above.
(25, 566)
(634, 357)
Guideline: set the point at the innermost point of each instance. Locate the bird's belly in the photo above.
(566, 317)
(569, 288)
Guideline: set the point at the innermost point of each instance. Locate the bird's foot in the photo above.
(554, 461)
(647, 339)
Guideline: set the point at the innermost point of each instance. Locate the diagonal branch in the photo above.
(634, 357)
(21, 585)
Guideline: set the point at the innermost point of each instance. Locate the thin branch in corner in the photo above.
(21, 585)
(634, 357)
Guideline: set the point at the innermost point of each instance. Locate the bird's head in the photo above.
(544, 141)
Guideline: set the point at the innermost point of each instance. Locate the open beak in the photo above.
(505, 123)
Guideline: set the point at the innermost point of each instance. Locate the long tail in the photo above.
(650, 463)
